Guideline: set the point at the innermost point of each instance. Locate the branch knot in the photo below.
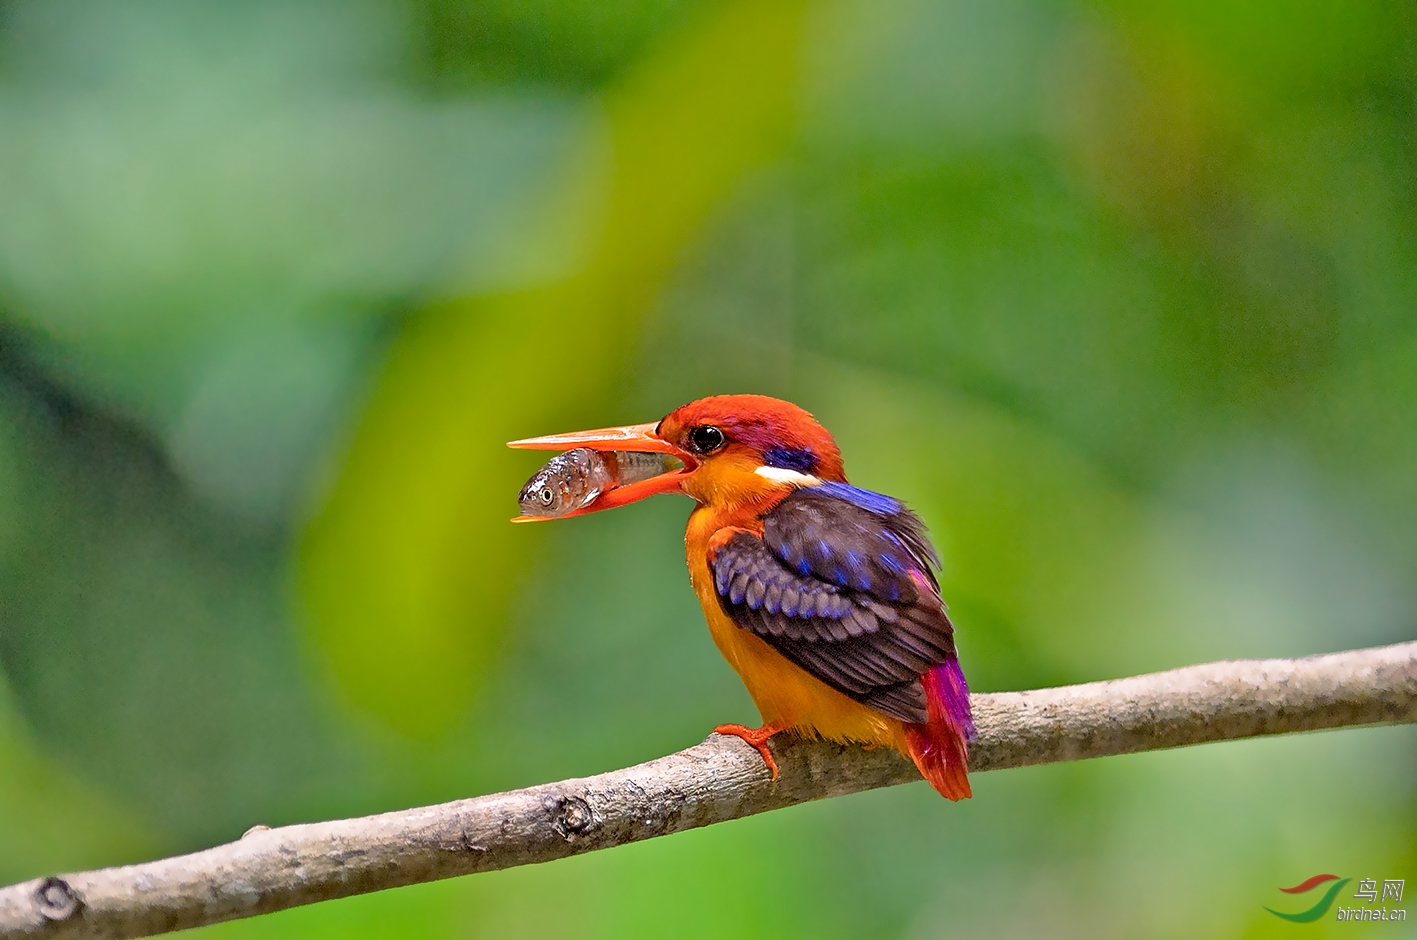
(56, 900)
(574, 816)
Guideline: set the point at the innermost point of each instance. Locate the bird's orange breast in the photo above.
(782, 691)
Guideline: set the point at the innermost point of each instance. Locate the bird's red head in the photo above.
(737, 450)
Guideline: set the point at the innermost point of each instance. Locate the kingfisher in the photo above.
(822, 596)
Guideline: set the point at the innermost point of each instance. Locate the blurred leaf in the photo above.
(159, 205)
(146, 646)
(934, 76)
(50, 822)
(565, 43)
(1365, 436)
(259, 417)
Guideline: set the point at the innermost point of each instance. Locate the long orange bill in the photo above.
(631, 437)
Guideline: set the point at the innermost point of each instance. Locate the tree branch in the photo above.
(720, 779)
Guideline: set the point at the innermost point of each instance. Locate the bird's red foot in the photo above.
(757, 737)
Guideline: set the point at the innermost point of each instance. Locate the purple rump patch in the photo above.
(947, 693)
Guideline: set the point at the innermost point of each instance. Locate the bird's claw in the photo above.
(757, 738)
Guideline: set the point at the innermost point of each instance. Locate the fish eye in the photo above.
(705, 439)
(547, 496)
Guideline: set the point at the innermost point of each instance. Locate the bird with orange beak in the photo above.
(822, 596)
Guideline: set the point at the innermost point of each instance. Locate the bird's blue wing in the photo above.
(853, 538)
(842, 586)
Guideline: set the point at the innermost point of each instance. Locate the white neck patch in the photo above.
(783, 475)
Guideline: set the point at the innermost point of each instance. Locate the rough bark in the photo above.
(720, 779)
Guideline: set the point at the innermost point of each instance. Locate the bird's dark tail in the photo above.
(940, 747)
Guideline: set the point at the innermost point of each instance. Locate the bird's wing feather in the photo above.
(844, 590)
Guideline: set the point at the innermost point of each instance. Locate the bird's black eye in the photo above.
(705, 439)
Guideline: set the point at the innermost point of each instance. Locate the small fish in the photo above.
(577, 478)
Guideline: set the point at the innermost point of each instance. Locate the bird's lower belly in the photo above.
(788, 694)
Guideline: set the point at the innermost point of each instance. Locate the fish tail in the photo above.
(940, 746)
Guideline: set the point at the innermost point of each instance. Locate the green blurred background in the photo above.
(1123, 299)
